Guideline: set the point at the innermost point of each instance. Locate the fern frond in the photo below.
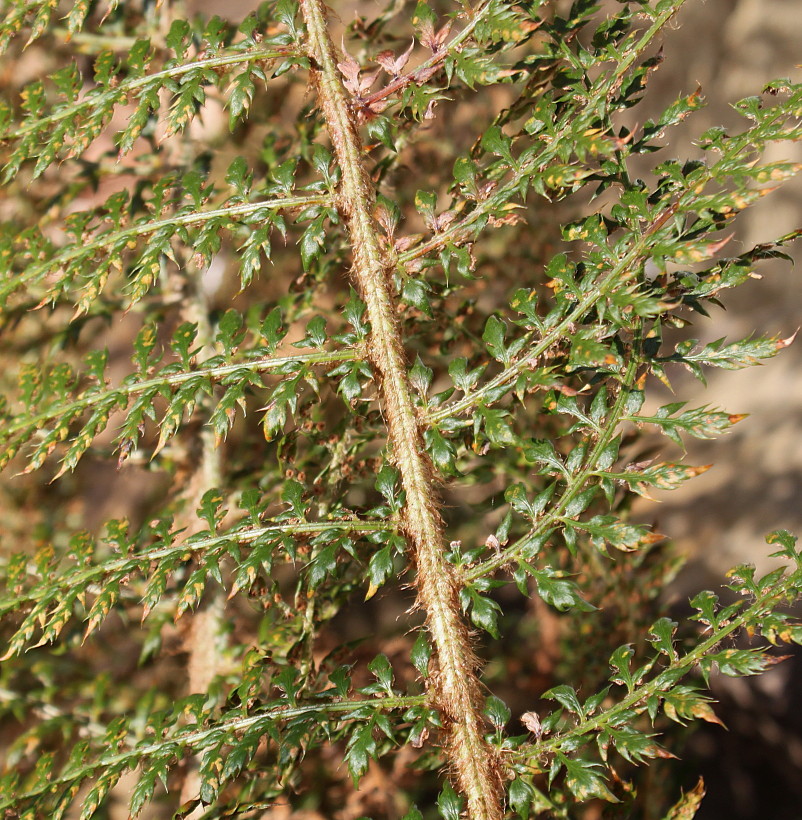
(37, 14)
(433, 394)
(79, 117)
(226, 742)
(103, 240)
(650, 687)
(54, 592)
(50, 418)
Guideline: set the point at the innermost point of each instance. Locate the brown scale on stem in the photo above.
(453, 686)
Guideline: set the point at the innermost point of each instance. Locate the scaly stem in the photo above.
(454, 687)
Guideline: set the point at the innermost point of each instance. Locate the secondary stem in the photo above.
(454, 687)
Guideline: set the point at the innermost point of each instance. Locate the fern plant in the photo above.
(342, 356)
